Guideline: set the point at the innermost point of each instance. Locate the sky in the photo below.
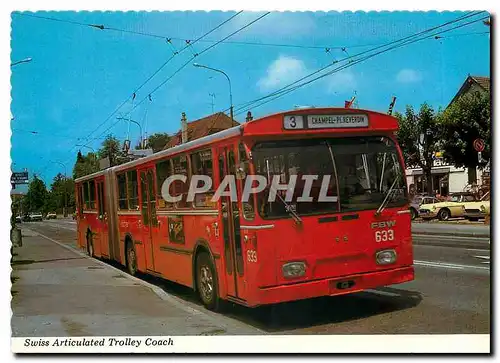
(79, 75)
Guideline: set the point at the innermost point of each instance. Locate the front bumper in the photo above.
(333, 286)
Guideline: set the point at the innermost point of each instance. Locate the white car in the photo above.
(36, 216)
(51, 215)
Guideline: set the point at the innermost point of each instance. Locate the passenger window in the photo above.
(201, 164)
(133, 196)
(163, 171)
(92, 194)
(86, 195)
(122, 191)
(80, 197)
(179, 188)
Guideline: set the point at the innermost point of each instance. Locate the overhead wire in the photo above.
(188, 62)
(405, 40)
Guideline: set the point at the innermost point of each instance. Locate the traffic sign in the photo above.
(478, 145)
(19, 178)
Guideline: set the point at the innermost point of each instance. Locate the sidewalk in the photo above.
(60, 292)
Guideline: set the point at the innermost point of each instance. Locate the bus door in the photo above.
(102, 219)
(230, 228)
(148, 215)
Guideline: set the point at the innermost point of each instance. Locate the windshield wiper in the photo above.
(288, 207)
(389, 192)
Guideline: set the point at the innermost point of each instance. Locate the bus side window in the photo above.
(132, 189)
(201, 164)
(92, 194)
(163, 171)
(180, 164)
(247, 207)
(86, 195)
(81, 200)
(121, 180)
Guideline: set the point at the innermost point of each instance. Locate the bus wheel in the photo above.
(206, 281)
(90, 244)
(131, 259)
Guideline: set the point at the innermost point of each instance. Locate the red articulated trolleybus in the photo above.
(299, 204)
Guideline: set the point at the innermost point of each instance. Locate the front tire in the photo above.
(206, 281)
(131, 259)
(444, 214)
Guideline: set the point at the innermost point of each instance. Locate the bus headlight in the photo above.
(294, 269)
(386, 257)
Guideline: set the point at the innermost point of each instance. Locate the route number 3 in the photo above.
(251, 256)
(293, 122)
(384, 235)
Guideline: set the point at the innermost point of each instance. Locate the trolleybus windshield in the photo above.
(359, 172)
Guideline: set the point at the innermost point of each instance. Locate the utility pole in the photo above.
(213, 101)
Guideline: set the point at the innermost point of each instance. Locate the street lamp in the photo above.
(88, 147)
(25, 60)
(229, 81)
(135, 122)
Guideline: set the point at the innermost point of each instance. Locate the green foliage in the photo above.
(411, 127)
(85, 165)
(34, 201)
(465, 120)
(158, 141)
(111, 148)
(416, 152)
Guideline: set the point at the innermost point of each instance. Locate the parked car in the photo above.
(35, 216)
(473, 211)
(19, 219)
(51, 215)
(450, 208)
(417, 201)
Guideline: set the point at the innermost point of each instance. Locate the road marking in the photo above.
(477, 249)
(452, 266)
(215, 318)
(449, 236)
(483, 257)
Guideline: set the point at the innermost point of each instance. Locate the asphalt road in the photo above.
(450, 294)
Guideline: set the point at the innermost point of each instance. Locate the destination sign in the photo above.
(19, 178)
(336, 121)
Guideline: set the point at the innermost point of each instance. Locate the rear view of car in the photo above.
(36, 216)
(51, 215)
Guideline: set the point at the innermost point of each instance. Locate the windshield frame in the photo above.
(402, 202)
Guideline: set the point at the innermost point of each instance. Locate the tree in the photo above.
(111, 148)
(466, 119)
(35, 197)
(61, 193)
(158, 141)
(418, 137)
(85, 165)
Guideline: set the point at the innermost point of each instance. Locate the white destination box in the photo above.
(336, 121)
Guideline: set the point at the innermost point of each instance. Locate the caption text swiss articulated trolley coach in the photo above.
(261, 250)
